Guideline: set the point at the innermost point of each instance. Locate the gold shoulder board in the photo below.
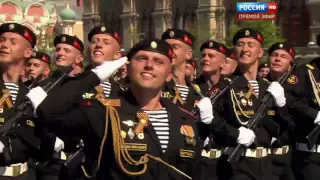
(227, 79)
(266, 80)
(310, 66)
(197, 87)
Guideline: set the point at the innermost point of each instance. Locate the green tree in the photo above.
(197, 33)
(269, 31)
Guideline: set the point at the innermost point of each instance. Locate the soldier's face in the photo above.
(149, 70)
(35, 67)
(181, 52)
(228, 66)
(13, 48)
(249, 51)
(280, 61)
(103, 48)
(211, 60)
(190, 70)
(263, 72)
(67, 55)
(123, 71)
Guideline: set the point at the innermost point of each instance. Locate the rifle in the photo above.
(256, 119)
(215, 96)
(26, 107)
(35, 81)
(73, 162)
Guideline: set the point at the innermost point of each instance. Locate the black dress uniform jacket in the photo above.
(204, 86)
(88, 122)
(233, 110)
(282, 148)
(304, 107)
(194, 94)
(21, 148)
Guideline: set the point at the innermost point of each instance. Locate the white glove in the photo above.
(317, 120)
(1, 147)
(58, 145)
(273, 140)
(108, 68)
(206, 142)
(277, 93)
(36, 96)
(205, 110)
(246, 136)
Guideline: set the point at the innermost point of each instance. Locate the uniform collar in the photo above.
(131, 106)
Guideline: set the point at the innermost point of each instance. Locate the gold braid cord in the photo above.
(6, 98)
(315, 86)
(120, 151)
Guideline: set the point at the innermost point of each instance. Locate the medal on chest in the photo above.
(188, 132)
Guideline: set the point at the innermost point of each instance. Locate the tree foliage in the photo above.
(269, 31)
(198, 33)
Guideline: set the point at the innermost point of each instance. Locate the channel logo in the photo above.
(257, 7)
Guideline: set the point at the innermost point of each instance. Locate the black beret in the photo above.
(70, 40)
(283, 46)
(247, 33)
(263, 66)
(180, 35)
(232, 54)
(103, 30)
(215, 46)
(41, 56)
(23, 31)
(155, 45)
(192, 63)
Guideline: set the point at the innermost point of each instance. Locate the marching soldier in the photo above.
(229, 65)
(150, 138)
(263, 70)
(37, 65)
(234, 109)
(213, 54)
(68, 53)
(303, 84)
(191, 70)
(281, 56)
(105, 45)
(182, 92)
(16, 46)
(123, 77)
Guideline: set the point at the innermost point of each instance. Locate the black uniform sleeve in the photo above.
(219, 125)
(73, 122)
(65, 97)
(20, 144)
(284, 118)
(297, 95)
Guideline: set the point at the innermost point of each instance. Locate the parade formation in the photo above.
(147, 114)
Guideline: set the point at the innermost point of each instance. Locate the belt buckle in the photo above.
(16, 170)
(259, 153)
(213, 154)
(284, 150)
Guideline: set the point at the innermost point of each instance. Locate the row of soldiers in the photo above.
(160, 125)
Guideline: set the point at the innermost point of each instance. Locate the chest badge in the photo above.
(129, 123)
(143, 122)
(188, 132)
(6, 98)
(177, 97)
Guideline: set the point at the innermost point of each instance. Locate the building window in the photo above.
(9, 17)
(37, 20)
(35, 11)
